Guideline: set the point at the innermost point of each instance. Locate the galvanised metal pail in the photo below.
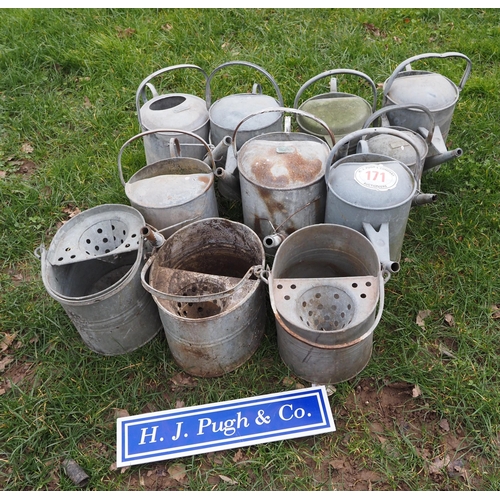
(171, 111)
(212, 306)
(324, 286)
(282, 183)
(92, 268)
(433, 90)
(174, 191)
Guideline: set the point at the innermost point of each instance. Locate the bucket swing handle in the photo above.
(287, 126)
(172, 147)
(411, 107)
(338, 151)
(347, 344)
(334, 84)
(407, 63)
(254, 270)
(208, 96)
(141, 90)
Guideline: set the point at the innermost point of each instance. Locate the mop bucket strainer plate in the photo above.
(325, 304)
(103, 231)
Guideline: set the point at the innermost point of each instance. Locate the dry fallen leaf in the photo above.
(119, 413)
(86, 102)
(421, 316)
(27, 148)
(166, 27)
(439, 464)
(183, 380)
(449, 320)
(7, 341)
(443, 423)
(227, 479)
(495, 311)
(416, 392)
(177, 472)
(5, 361)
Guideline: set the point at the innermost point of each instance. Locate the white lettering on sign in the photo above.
(376, 176)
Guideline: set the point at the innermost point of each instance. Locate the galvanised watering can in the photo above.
(433, 90)
(343, 113)
(171, 111)
(227, 112)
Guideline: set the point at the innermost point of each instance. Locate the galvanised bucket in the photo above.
(342, 112)
(282, 183)
(433, 90)
(324, 286)
(174, 191)
(211, 304)
(92, 268)
(171, 111)
(227, 112)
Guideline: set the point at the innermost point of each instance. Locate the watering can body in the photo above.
(342, 112)
(281, 176)
(173, 191)
(227, 112)
(432, 90)
(177, 111)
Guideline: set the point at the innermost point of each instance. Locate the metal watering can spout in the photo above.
(438, 152)
(380, 241)
(423, 199)
(437, 160)
(274, 240)
(219, 152)
(228, 181)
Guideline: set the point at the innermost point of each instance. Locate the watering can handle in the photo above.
(333, 156)
(337, 72)
(465, 76)
(386, 109)
(193, 298)
(157, 131)
(348, 344)
(141, 92)
(208, 96)
(280, 110)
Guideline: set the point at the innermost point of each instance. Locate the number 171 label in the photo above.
(376, 176)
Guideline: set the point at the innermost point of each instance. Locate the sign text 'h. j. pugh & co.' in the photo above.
(218, 426)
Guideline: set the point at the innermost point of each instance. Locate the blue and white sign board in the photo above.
(164, 435)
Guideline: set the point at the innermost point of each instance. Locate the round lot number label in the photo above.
(376, 176)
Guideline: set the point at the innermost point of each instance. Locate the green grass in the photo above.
(67, 104)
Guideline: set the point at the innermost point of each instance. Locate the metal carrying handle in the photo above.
(141, 92)
(386, 109)
(255, 270)
(332, 157)
(208, 97)
(280, 110)
(348, 344)
(337, 72)
(408, 61)
(156, 131)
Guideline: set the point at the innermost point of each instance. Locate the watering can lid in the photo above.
(178, 111)
(433, 90)
(282, 164)
(343, 113)
(229, 111)
(372, 184)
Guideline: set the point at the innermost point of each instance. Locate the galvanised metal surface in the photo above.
(325, 285)
(371, 189)
(174, 191)
(211, 304)
(171, 111)
(433, 90)
(342, 112)
(102, 294)
(281, 178)
(227, 112)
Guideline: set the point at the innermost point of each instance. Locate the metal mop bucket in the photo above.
(344, 113)
(212, 306)
(171, 111)
(324, 286)
(282, 182)
(174, 191)
(92, 268)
